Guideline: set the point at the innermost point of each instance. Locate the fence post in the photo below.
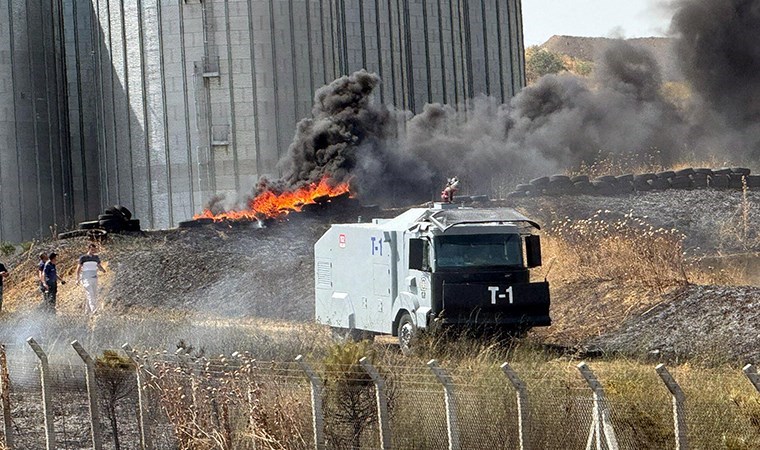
(450, 401)
(46, 385)
(145, 443)
(5, 398)
(382, 403)
(316, 403)
(754, 377)
(601, 425)
(679, 413)
(92, 395)
(522, 403)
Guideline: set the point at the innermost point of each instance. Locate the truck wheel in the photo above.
(406, 332)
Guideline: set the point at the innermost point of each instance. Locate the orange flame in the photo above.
(270, 204)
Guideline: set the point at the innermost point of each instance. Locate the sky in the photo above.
(594, 18)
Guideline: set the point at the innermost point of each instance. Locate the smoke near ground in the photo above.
(559, 123)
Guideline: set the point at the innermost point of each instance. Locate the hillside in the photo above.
(236, 272)
(589, 48)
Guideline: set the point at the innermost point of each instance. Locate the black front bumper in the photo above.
(521, 305)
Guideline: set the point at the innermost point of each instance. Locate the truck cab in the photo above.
(442, 266)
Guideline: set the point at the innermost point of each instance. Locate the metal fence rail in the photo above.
(142, 400)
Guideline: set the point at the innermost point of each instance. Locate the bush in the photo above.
(540, 62)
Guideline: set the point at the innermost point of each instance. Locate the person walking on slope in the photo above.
(3, 275)
(49, 280)
(40, 268)
(87, 274)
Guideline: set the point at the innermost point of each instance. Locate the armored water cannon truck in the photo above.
(429, 267)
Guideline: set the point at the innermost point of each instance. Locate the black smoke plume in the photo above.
(718, 51)
(560, 122)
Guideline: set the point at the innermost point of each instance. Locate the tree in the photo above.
(540, 62)
(115, 375)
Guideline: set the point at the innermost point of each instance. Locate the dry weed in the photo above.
(625, 249)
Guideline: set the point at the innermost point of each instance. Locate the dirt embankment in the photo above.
(244, 271)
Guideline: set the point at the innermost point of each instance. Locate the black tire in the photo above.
(718, 181)
(703, 171)
(583, 187)
(111, 217)
(722, 171)
(607, 179)
(753, 181)
(685, 172)
(113, 210)
(73, 234)
(699, 180)
(564, 179)
(735, 181)
(542, 181)
(407, 331)
(645, 177)
(743, 171)
(625, 187)
(659, 184)
(132, 225)
(124, 211)
(625, 178)
(642, 186)
(89, 225)
(680, 182)
(112, 225)
(523, 187)
(603, 188)
(668, 174)
(580, 178)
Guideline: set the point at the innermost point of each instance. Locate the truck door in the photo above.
(381, 301)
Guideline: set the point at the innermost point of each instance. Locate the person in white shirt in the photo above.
(87, 275)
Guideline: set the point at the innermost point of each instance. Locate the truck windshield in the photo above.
(478, 250)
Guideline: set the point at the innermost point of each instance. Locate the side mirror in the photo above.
(416, 254)
(533, 251)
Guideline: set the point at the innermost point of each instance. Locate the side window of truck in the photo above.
(419, 254)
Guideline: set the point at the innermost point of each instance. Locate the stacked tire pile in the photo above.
(690, 178)
(115, 219)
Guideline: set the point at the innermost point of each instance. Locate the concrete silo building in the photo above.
(160, 104)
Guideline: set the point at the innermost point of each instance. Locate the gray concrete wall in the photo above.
(36, 190)
(164, 103)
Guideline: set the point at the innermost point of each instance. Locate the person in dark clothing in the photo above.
(40, 267)
(50, 281)
(3, 275)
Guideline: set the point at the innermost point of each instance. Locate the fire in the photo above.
(270, 204)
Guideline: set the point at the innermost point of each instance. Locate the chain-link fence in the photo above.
(186, 401)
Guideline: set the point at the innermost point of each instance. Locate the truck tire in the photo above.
(406, 333)
(539, 182)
